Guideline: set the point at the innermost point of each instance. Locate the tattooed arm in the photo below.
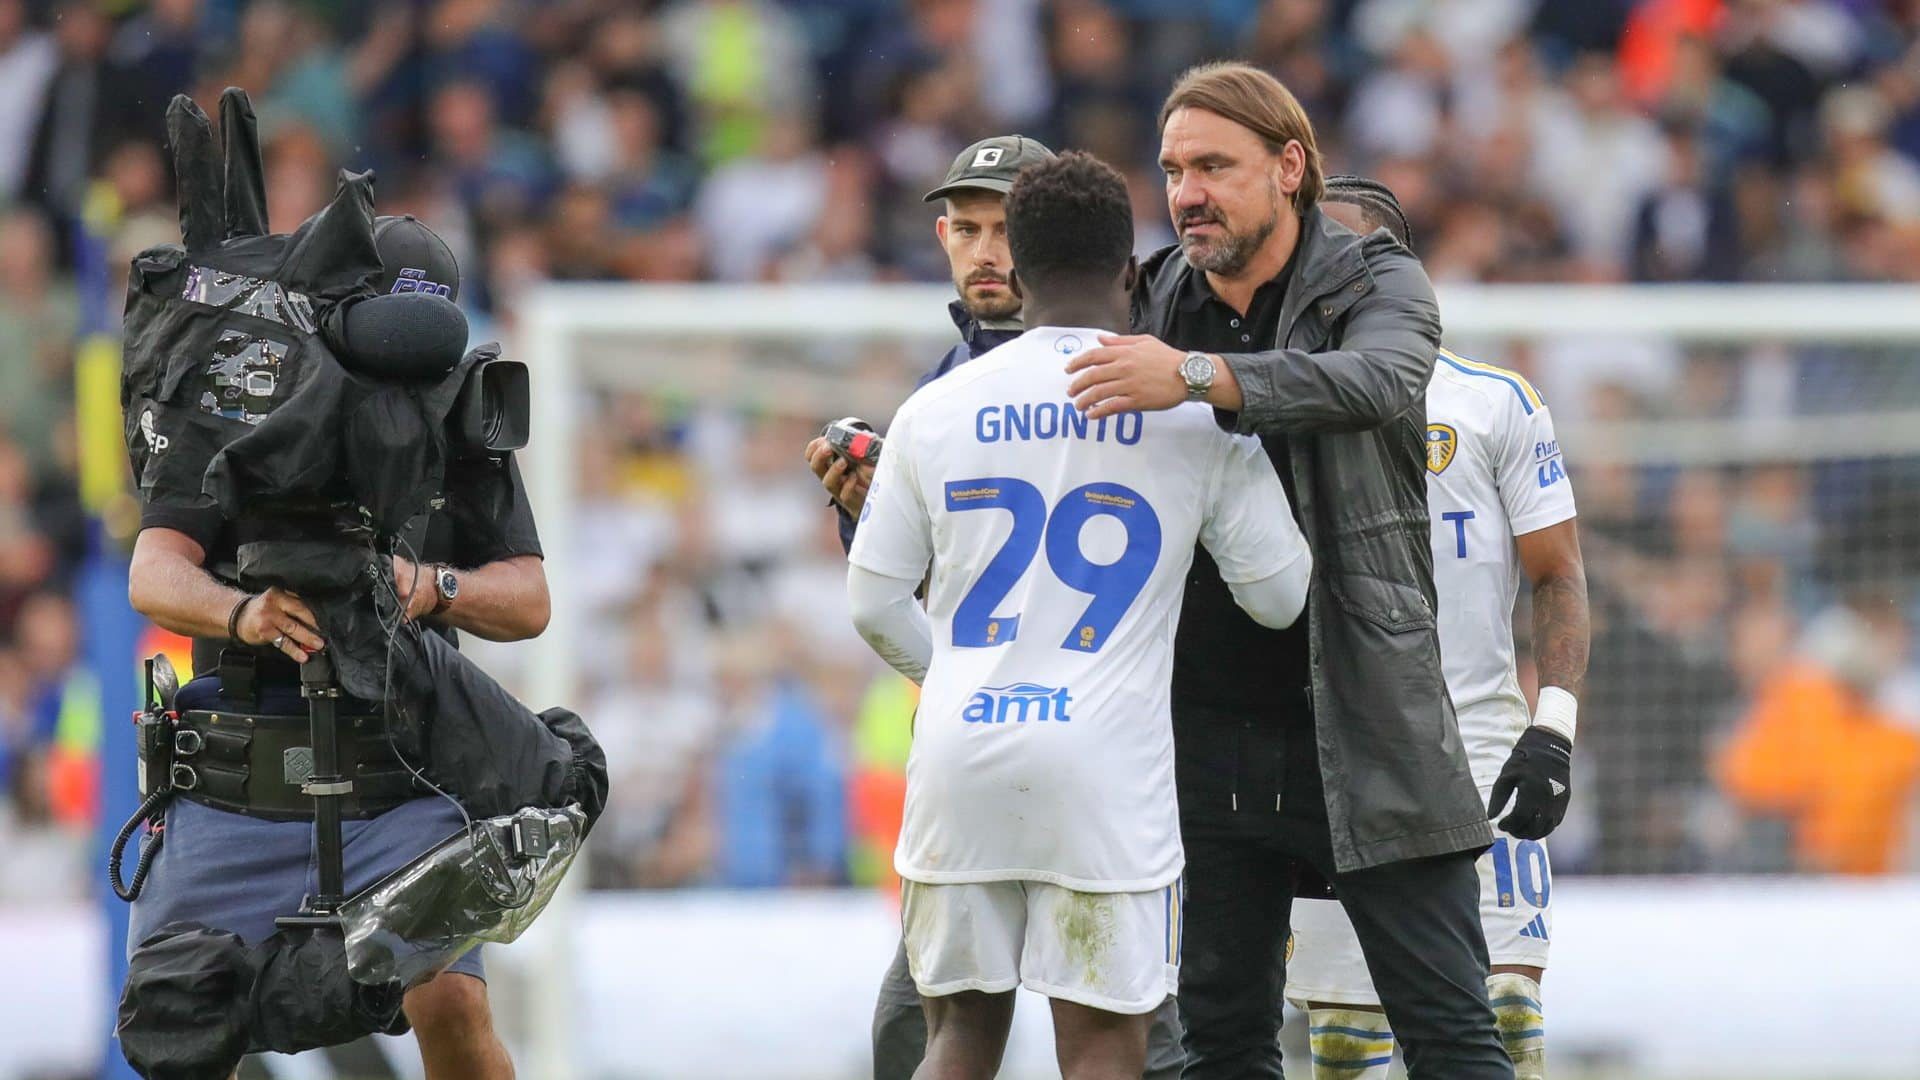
(1551, 558)
(1538, 775)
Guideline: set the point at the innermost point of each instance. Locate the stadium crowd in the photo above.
(1752, 695)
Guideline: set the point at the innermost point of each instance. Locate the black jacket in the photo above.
(1346, 384)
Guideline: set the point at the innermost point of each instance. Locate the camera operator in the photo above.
(237, 858)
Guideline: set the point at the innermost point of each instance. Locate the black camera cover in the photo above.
(196, 1000)
(235, 396)
(224, 330)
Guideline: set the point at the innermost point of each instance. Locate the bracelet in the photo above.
(1556, 711)
(233, 618)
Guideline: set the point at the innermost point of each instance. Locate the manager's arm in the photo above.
(1382, 366)
(1386, 355)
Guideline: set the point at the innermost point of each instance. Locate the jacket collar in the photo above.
(1330, 260)
(971, 328)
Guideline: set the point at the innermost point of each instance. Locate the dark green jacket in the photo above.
(1346, 384)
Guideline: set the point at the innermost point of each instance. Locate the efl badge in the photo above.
(1442, 441)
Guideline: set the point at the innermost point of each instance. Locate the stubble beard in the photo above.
(989, 308)
(1230, 254)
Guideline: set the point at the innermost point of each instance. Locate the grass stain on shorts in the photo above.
(1086, 926)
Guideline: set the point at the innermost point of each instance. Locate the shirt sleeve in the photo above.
(491, 516)
(201, 524)
(1531, 471)
(895, 537)
(1249, 527)
(886, 615)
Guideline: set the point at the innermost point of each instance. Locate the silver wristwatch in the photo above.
(1197, 370)
(447, 585)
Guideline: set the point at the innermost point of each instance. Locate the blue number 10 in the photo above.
(1114, 586)
(1536, 882)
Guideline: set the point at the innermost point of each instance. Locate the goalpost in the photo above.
(1722, 382)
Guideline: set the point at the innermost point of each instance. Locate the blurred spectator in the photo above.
(780, 785)
(26, 556)
(1595, 159)
(478, 39)
(85, 110)
(1817, 750)
(1686, 229)
(1872, 181)
(160, 49)
(496, 174)
(27, 61)
(757, 207)
(742, 65)
(37, 323)
(1397, 110)
(648, 183)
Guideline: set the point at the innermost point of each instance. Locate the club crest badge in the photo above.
(1442, 442)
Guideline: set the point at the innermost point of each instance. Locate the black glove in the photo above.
(1540, 771)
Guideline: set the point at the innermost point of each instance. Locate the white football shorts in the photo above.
(1516, 909)
(1119, 952)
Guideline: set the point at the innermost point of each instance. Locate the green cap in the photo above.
(991, 165)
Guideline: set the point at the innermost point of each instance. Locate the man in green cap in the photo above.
(974, 233)
(973, 230)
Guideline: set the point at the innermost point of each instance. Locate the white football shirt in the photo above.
(1059, 550)
(1494, 472)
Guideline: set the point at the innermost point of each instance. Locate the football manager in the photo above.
(1325, 753)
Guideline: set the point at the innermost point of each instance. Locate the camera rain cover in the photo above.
(486, 883)
(226, 329)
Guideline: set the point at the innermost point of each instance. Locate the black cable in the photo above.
(521, 897)
(149, 809)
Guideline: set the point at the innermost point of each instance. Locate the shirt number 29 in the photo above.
(1113, 586)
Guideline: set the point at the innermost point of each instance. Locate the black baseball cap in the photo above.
(991, 165)
(413, 258)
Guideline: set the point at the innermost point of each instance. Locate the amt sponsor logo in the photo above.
(1019, 702)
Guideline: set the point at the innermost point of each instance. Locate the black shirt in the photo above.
(486, 518)
(1221, 657)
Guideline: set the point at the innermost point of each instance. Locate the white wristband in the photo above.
(1555, 711)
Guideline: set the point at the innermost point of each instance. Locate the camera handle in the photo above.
(327, 786)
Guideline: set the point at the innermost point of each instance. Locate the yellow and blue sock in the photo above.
(1349, 1044)
(1523, 1028)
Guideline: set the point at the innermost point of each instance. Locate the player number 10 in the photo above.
(1536, 880)
(1113, 586)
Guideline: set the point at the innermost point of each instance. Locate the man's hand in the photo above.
(1538, 776)
(1127, 373)
(419, 592)
(280, 620)
(846, 487)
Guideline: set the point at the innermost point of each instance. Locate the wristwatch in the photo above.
(447, 586)
(1197, 370)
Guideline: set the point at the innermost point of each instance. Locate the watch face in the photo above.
(1197, 370)
(449, 585)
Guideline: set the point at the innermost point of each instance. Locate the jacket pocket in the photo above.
(1390, 605)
